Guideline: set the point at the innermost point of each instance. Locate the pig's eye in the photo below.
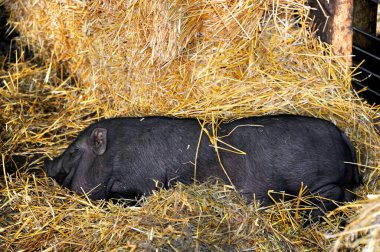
(74, 151)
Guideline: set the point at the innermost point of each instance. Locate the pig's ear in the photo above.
(98, 141)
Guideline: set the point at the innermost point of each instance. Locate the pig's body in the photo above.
(123, 157)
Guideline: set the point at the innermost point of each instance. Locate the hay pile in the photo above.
(206, 59)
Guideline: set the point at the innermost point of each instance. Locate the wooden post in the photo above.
(333, 19)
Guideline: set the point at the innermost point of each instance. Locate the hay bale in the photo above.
(172, 57)
(364, 230)
(207, 59)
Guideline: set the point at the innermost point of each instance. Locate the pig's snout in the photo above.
(51, 167)
(47, 166)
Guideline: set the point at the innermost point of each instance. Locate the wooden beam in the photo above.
(333, 21)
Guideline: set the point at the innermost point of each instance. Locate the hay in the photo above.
(207, 59)
(212, 216)
(364, 230)
(131, 56)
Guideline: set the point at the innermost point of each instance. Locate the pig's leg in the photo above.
(328, 198)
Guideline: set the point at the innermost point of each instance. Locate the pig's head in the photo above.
(81, 167)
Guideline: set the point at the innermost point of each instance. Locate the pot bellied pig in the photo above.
(126, 157)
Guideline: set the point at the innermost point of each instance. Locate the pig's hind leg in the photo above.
(327, 198)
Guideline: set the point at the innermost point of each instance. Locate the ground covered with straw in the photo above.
(205, 59)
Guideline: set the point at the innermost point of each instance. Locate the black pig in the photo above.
(125, 157)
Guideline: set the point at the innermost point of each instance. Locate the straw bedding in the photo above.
(213, 60)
